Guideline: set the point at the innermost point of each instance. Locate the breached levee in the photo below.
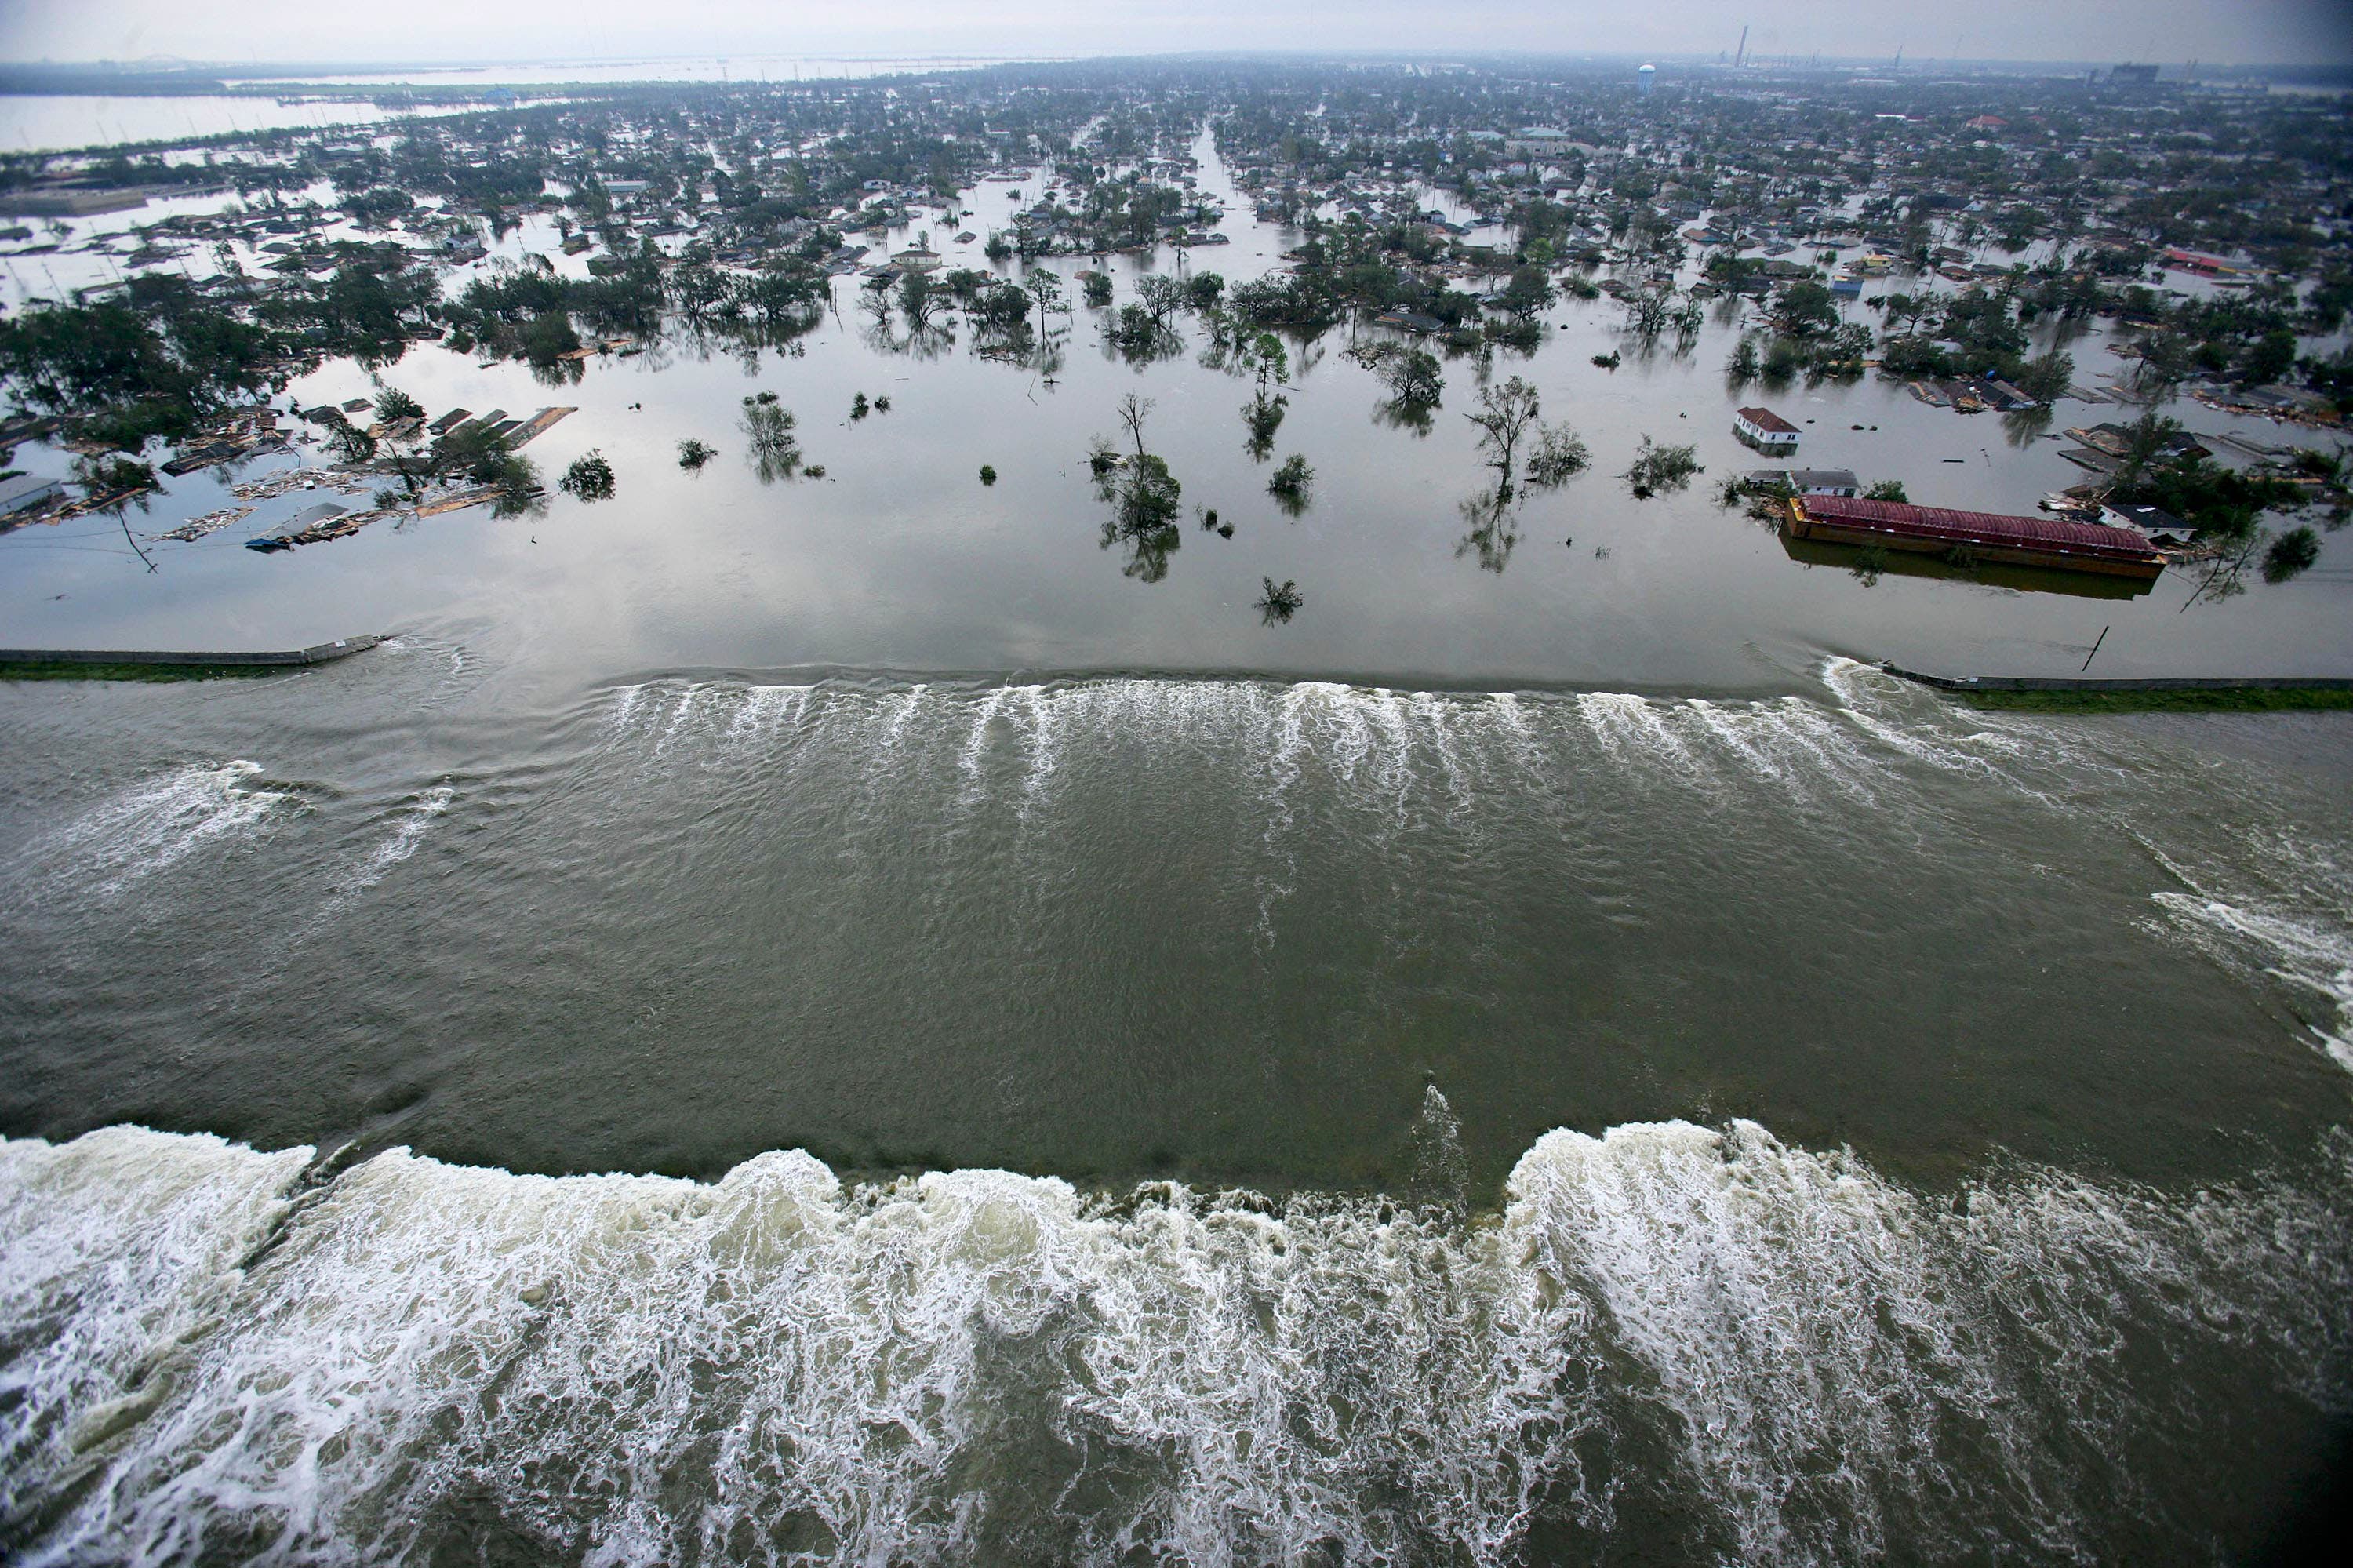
(1382, 748)
(1741, 1350)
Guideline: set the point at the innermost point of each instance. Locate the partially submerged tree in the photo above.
(1264, 356)
(1507, 417)
(1293, 484)
(1045, 289)
(2291, 553)
(590, 477)
(1133, 412)
(1558, 457)
(113, 475)
(1161, 297)
(1658, 468)
(1745, 365)
(2163, 466)
(1649, 311)
(1527, 291)
(1142, 494)
(919, 301)
(1412, 375)
(1503, 415)
(398, 439)
(692, 453)
(392, 406)
(474, 452)
(1279, 604)
(769, 425)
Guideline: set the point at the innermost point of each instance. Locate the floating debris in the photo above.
(286, 481)
(195, 528)
(317, 525)
(458, 501)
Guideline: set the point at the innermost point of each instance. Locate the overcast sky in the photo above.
(2166, 31)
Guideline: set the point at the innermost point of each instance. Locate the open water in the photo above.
(1113, 1118)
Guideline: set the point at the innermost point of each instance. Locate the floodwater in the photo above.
(899, 559)
(832, 1020)
(65, 122)
(753, 67)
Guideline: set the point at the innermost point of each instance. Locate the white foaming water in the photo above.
(408, 833)
(1044, 733)
(1792, 742)
(1384, 748)
(2053, 763)
(116, 1251)
(2297, 951)
(1802, 1317)
(1629, 725)
(1431, 774)
(408, 828)
(768, 710)
(156, 824)
(968, 764)
(1419, 778)
(974, 1365)
(2299, 928)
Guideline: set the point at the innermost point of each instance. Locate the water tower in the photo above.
(1646, 79)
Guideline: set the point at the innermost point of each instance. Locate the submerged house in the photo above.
(2155, 524)
(24, 491)
(1765, 429)
(1809, 481)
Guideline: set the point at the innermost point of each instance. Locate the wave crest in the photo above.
(1803, 1361)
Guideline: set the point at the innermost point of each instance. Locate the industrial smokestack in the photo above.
(1742, 52)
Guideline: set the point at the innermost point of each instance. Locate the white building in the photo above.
(1809, 480)
(24, 491)
(1765, 429)
(2158, 526)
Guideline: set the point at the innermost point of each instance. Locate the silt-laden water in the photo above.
(1123, 1120)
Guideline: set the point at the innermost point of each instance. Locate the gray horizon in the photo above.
(276, 33)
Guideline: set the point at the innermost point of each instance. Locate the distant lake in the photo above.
(704, 68)
(41, 124)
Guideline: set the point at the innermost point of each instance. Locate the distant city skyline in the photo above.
(2166, 32)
